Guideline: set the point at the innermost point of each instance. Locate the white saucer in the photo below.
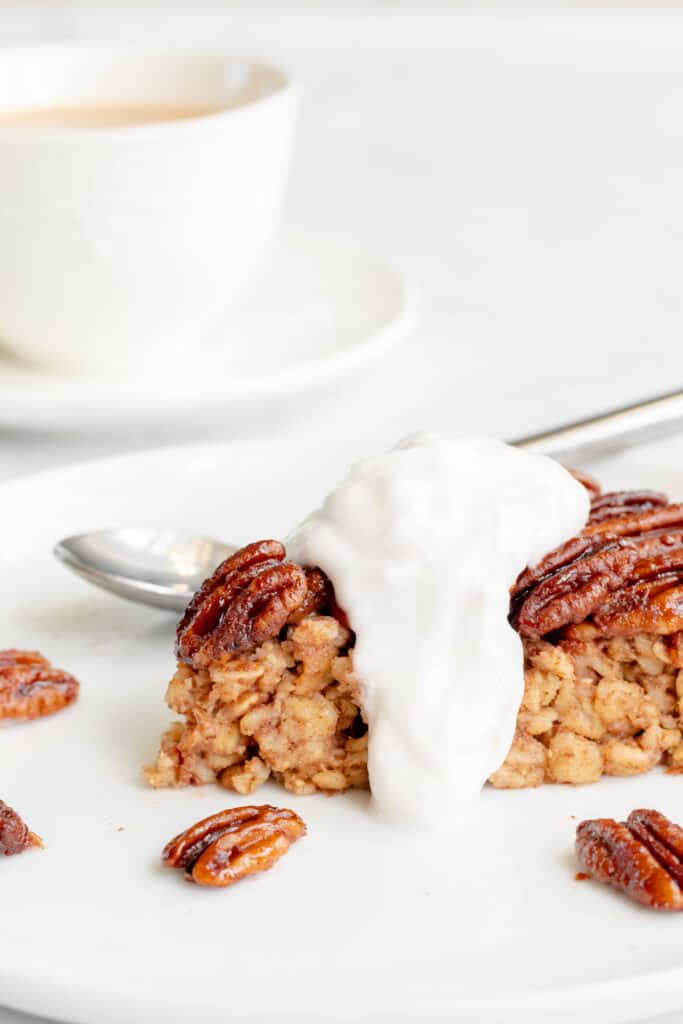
(315, 314)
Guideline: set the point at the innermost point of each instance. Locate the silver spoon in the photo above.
(163, 568)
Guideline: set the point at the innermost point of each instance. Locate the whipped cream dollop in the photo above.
(422, 544)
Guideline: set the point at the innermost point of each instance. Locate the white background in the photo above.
(522, 164)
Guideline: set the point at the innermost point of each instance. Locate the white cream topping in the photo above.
(422, 545)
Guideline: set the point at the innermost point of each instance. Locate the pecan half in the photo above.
(636, 520)
(15, 835)
(642, 857)
(624, 572)
(226, 847)
(249, 599)
(319, 594)
(622, 503)
(30, 687)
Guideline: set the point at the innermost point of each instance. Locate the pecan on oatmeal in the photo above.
(248, 599)
(624, 573)
(232, 844)
(642, 857)
(15, 835)
(30, 687)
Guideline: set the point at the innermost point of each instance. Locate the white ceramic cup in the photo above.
(121, 248)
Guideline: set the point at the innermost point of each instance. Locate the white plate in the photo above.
(359, 921)
(314, 314)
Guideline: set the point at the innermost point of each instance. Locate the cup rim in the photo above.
(284, 86)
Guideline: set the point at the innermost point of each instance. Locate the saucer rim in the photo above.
(43, 399)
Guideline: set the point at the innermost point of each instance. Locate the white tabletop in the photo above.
(523, 164)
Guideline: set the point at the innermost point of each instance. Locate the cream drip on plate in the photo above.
(422, 545)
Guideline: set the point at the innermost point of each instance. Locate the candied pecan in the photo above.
(629, 523)
(204, 614)
(226, 847)
(572, 592)
(249, 599)
(566, 554)
(31, 687)
(643, 857)
(319, 595)
(259, 612)
(15, 835)
(624, 572)
(648, 606)
(622, 503)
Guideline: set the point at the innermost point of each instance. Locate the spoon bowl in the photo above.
(158, 567)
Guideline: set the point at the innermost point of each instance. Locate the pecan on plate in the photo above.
(15, 835)
(226, 847)
(643, 857)
(31, 687)
(249, 599)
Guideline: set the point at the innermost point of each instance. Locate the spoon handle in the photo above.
(611, 431)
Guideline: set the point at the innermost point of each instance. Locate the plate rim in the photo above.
(623, 992)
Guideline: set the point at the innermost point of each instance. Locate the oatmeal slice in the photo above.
(265, 685)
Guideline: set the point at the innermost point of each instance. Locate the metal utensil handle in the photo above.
(611, 431)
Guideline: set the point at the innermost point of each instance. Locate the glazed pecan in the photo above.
(31, 687)
(249, 599)
(643, 857)
(624, 572)
(15, 835)
(221, 850)
(636, 520)
(622, 503)
(319, 594)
